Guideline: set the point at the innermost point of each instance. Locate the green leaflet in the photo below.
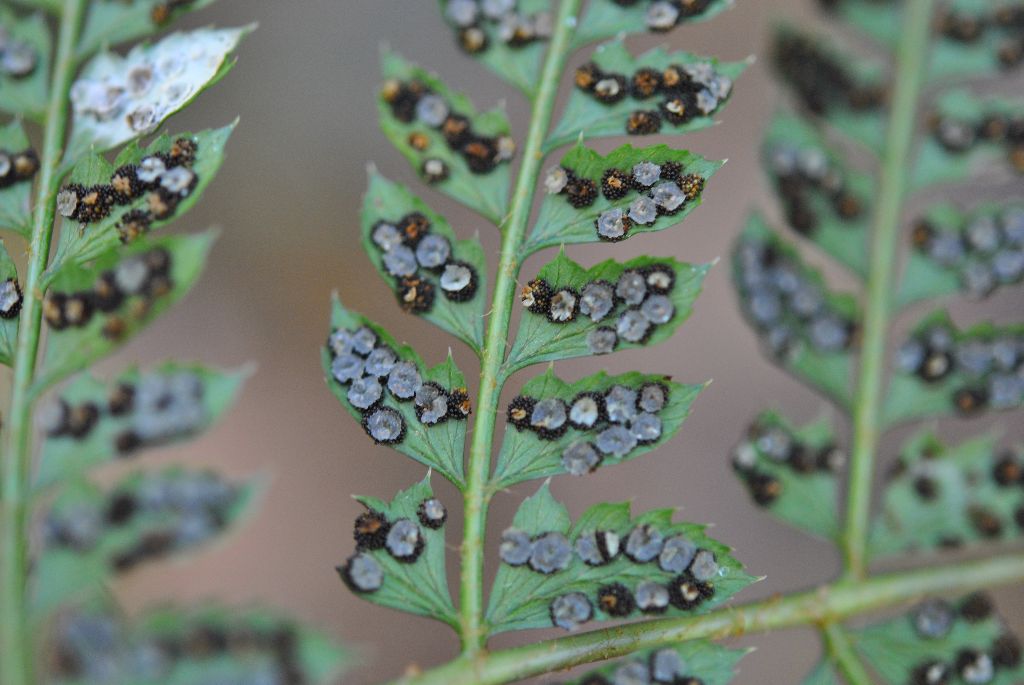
(8, 326)
(80, 243)
(388, 202)
(73, 349)
(486, 193)
(822, 211)
(823, 674)
(16, 198)
(959, 146)
(792, 472)
(187, 646)
(541, 340)
(559, 223)
(111, 437)
(102, 120)
(894, 648)
(949, 57)
(27, 95)
(586, 117)
(941, 371)
(438, 446)
(51, 6)
(946, 257)
(768, 272)
(525, 456)
(110, 22)
(604, 18)
(420, 587)
(92, 534)
(517, 64)
(709, 663)
(943, 495)
(521, 597)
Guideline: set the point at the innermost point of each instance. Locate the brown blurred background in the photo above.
(288, 201)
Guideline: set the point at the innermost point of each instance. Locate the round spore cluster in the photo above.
(682, 574)
(17, 166)
(164, 11)
(995, 127)
(414, 104)
(478, 23)
(401, 538)
(685, 91)
(805, 173)
(169, 511)
(1005, 22)
(769, 442)
(821, 81)
(18, 58)
(372, 371)
(982, 371)
(629, 310)
(94, 647)
(664, 15)
(985, 252)
(609, 424)
(158, 408)
(978, 664)
(657, 189)
(127, 292)
(789, 309)
(161, 180)
(11, 298)
(421, 262)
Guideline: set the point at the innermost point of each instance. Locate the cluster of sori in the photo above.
(159, 408)
(476, 20)
(96, 647)
(18, 58)
(986, 252)
(369, 368)
(641, 300)
(138, 280)
(662, 190)
(989, 369)
(164, 10)
(804, 172)
(690, 571)
(1006, 472)
(402, 539)
(785, 304)
(619, 419)
(959, 136)
(17, 167)
(164, 178)
(175, 510)
(687, 91)
(772, 442)
(935, 619)
(408, 247)
(663, 666)
(664, 15)
(820, 80)
(1006, 21)
(413, 101)
(150, 85)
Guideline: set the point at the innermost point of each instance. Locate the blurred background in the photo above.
(288, 201)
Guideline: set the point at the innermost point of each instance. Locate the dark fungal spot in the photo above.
(519, 411)
(415, 294)
(581, 192)
(687, 593)
(536, 296)
(976, 607)
(371, 530)
(985, 522)
(615, 184)
(643, 123)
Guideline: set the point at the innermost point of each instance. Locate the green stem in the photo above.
(492, 375)
(892, 188)
(837, 644)
(828, 603)
(16, 664)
